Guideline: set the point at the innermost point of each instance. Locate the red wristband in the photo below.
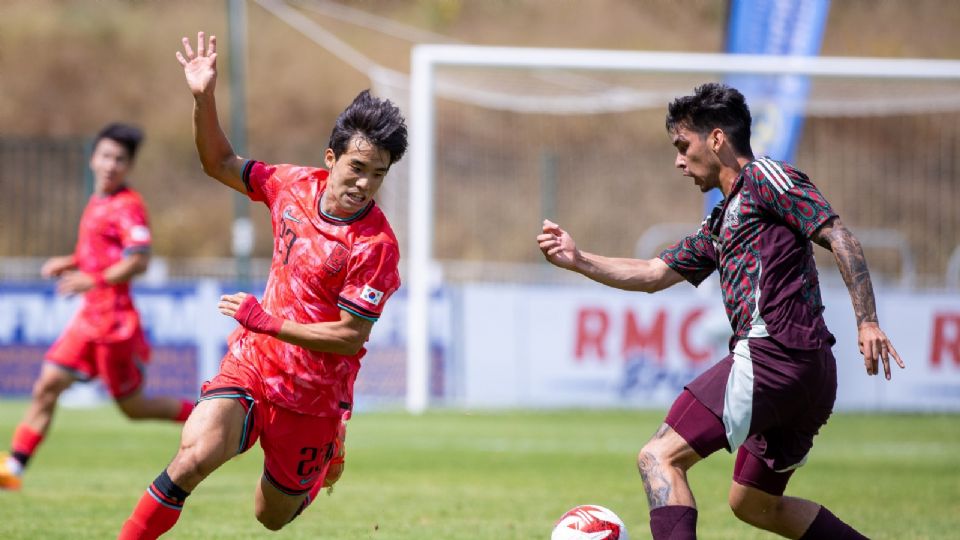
(252, 317)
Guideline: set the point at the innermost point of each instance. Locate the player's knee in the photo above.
(192, 464)
(657, 451)
(649, 458)
(753, 512)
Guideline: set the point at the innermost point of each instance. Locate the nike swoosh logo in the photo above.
(305, 481)
(288, 215)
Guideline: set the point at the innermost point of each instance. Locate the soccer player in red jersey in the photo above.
(287, 378)
(104, 339)
(769, 397)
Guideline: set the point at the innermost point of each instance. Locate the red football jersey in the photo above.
(111, 226)
(321, 265)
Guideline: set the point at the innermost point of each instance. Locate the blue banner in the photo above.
(774, 27)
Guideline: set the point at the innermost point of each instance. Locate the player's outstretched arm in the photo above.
(848, 253)
(345, 336)
(216, 154)
(646, 275)
(55, 266)
(75, 282)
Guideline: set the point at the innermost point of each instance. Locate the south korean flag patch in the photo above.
(140, 234)
(371, 295)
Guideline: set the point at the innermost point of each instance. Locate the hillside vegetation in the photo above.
(68, 67)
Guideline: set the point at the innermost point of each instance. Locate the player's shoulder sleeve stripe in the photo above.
(773, 172)
(357, 310)
(245, 175)
(137, 248)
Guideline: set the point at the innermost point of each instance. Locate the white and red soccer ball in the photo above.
(589, 522)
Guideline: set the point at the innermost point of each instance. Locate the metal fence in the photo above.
(45, 184)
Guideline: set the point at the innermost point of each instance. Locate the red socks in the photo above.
(149, 520)
(157, 512)
(25, 443)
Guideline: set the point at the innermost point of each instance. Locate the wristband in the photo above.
(251, 316)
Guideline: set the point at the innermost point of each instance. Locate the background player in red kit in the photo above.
(104, 339)
(775, 390)
(288, 376)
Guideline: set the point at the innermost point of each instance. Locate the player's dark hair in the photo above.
(125, 135)
(714, 105)
(377, 120)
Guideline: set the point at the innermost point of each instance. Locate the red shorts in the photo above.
(118, 364)
(297, 448)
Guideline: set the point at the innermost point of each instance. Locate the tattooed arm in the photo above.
(874, 343)
(834, 236)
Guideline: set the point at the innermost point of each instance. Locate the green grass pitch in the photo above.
(473, 476)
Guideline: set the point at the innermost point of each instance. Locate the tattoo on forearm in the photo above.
(853, 267)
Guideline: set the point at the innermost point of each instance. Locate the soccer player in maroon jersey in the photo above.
(288, 375)
(104, 339)
(769, 397)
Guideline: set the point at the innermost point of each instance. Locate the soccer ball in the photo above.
(589, 522)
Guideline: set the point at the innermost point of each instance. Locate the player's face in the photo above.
(355, 177)
(110, 164)
(696, 159)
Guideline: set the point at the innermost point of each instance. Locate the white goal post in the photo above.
(424, 91)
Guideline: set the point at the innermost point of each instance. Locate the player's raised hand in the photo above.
(876, 346)
(557, 245)
(200, 66)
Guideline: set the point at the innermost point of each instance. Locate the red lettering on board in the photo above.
(637, 338)
(946, 339)
(696, 355)
(592, 326)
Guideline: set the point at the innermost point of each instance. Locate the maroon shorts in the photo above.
(765, 399)
(118, 364)
(297, 448)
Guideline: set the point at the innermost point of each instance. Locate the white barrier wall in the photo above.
(592, 346)
(497, 346)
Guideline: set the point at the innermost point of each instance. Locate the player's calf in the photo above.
(273, 522)
(274, 509)
(139, 407)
